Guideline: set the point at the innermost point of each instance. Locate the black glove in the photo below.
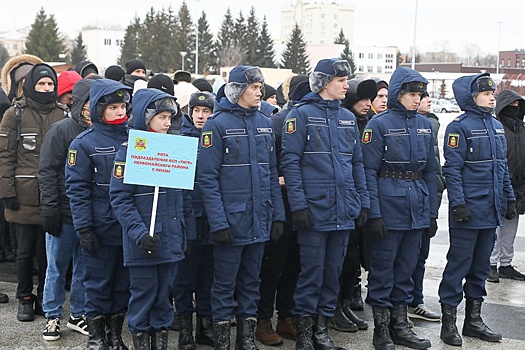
(222, 237)
(362, 218)
(431, 231)
(277, 230)
(512, 211)
(302, 219)
(88, 240)
(11, 203)
(53, 225)
(189, 247)
(148, 243)
(461, 213)
(376, 229)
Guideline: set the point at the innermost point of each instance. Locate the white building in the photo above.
(15, 40)
(374, 61)
(103, 46)
(320, 22)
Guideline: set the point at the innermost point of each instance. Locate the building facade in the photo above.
(103, 46)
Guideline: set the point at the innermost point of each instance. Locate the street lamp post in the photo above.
(499, 42)
(183, 55)
(414, 41)
(197, 38)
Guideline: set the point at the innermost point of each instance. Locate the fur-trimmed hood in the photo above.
(12, 64)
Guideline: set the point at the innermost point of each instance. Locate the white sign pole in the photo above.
(154, 211)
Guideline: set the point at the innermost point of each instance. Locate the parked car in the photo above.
(440, 105)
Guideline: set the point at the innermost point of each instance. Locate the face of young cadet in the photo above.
(199, 115)
(160, 122)
(139, 72)
(485, 99)
(114, 111)
(251, 96)
(335, 89)
(379, 102)
(44, 85)
(424, 105)
(410, 100)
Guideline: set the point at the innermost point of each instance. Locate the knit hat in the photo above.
(66, 81)
(182, 75)
(163, 83)
(326, 70)
(183, 91)
(133, 65)
(38, 72)
(166, 104)
(269, 91)
(381, 84)
(240, 78)
(202, 84)
(84, 68)
(114, 72)
(294, 84)
(201, 98)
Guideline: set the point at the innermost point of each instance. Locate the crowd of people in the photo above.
(298, 190)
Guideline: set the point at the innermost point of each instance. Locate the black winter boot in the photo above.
(349, 313)
(340, 322)
(356, 299)
(222, 331)
(186, 341)
(204, 331)
(97, 333)
(449, 331)
(381, 339)
(304, 325)
(141, 341)
(159, 340)
(401, 333)
(474, 325)
(114, 335)
(322, 340)
(245, 338)
(25, 309)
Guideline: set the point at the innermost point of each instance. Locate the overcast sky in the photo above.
(440, 23)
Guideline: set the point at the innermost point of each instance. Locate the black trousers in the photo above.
(31, 241)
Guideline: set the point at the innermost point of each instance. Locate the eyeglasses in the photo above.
(341, 68)
(253, 75)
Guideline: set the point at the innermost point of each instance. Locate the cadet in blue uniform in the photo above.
(195, 273)
(237, 174)
(88, 172)
(400, 166)
(152, 260)
(322, 166)
(479, 191)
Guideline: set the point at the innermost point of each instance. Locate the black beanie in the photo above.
(294, 83)
(268, 91)
(114, 72)
(163, 83)
(202, 84)
(133, 65)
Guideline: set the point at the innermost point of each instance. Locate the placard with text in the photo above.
(163, 160)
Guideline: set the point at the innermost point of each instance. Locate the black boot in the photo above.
(204, 331)
(39, 310)
(159, 340)
(245, 338)
(449, 331)
(304, 325)
(141, 341)
(186, 341)
(25, 309)
(356, 299)
(221, 332)
(381, 339)
(114, 335)
(401, 333)
(340, 322)
(322, 340)
(97, 333)
(474, 325)
(361, 324)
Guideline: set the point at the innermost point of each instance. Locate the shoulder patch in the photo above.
(453, 140)
(367, 136)
(291, 125)
(207, 139)
(118, 170)
(72, 157)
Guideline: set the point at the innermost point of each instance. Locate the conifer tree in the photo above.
(294, 55)
(265, 44)
(207, 50)
(228, 53)
(44, 40)
(186, 37)
(78, 53)
(130, 47)
(251, 44)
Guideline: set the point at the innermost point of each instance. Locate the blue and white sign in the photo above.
(163, 160)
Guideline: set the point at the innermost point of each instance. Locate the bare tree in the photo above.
(472, 52)
(231, 55)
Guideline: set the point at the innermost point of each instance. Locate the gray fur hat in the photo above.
(240, 78)
(326, 70)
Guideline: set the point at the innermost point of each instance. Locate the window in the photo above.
(379, 56)
(322, 15)
(322, 26)
(369, 69)
(379, 69)
(361, 55)
(107, 42)
(335, 16)
(361, 69)
(15, 46)
(502, 62)
(335, 25)
(370, 55)
(508, 62)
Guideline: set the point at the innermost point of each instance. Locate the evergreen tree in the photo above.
(207, 50)
(294, 55)
(265, 45)
(4, 55)
(341, 39)
(348, 55)
(226, 33)
(186, 37)
(240, 31)
(253, 51)
(130, 47)
(79, 51)
(44, 40)
(228, 53)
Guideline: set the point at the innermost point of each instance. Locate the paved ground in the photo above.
(503, 310)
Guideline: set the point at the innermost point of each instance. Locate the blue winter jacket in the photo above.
(475, 167)
(89, 167)
(322, 163)
(133, 204)
(401, 140)
(237, 173)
